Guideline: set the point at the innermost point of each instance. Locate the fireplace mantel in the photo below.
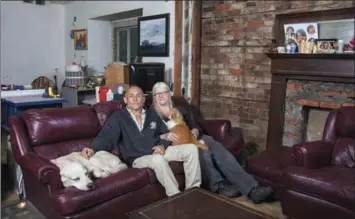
(312, 56)
(312, 67)
(340, 66)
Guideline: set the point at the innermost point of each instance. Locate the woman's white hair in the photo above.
(162, 87)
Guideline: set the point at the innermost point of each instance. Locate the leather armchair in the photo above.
(39, 135)
(318, 179)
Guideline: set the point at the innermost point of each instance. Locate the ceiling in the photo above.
(61, 2)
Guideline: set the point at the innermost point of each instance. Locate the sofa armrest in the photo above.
(38, 166)
(234, 141)
(312, 155)
(221, 130)
(44, 171)
(217, 128)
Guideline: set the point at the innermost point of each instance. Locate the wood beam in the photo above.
(196, 52)
(178, 48)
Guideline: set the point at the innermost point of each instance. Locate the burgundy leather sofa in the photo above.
(40, 135)
(314, 180)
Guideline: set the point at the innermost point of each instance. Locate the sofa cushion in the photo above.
(46, 126)
(334, 183)
(105, 109)
(55, 150)
(344, 152)
(70, 200)
(177, 167)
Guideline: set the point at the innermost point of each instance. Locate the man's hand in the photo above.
(159, 149)
(170, 137)
(195, 132)
(87, 152)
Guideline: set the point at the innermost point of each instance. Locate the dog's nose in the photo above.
(90, 185)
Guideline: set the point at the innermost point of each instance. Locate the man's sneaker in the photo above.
(228, 190)
(259, 194)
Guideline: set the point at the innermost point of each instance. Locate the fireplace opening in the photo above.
(307, 105)
(314, 122)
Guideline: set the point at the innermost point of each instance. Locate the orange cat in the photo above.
(177, 126)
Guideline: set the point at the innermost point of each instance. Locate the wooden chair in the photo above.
(41, 82)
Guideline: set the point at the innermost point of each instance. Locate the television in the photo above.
(145, 75)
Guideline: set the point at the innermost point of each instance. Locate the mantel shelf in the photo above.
(350, 56)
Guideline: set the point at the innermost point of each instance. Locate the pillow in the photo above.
(344, 152)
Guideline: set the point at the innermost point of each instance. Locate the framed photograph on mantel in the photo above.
(153, 36)
(303, 31)
(327, 45)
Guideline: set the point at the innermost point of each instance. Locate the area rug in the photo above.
(198, 204)
(20, 210)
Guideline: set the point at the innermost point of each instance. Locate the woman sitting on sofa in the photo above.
(216, 161)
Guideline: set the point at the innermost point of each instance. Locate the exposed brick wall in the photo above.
(235, 73)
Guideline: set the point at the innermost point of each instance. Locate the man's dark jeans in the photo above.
(219, 161)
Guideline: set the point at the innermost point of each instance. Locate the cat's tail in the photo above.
(200, 145)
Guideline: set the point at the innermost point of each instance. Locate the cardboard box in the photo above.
(116, 74)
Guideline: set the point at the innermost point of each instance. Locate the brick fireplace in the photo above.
(307, 105)
(303, 87)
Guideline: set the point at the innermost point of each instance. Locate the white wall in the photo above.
(32, 41)
(100, 51)
(84, 10)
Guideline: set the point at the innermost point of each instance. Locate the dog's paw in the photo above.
(105, 174)
(97, 172)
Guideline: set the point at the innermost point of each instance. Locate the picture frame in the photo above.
(302, 31)
(80, 39)
(326, 45)
(153, 35)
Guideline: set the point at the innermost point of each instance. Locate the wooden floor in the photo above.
(273, 209)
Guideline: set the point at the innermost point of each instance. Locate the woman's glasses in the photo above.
(161, 93)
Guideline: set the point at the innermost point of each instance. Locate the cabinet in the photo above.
(74, 97)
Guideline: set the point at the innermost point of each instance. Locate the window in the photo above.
(127, 44)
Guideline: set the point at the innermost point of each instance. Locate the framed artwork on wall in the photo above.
(80, 39)
(153, 36)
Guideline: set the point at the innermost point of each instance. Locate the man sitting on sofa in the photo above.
(137, 132)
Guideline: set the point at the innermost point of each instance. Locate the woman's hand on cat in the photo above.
(195, 132)
(170, 137)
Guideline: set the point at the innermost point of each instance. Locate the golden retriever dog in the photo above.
(76, 171)
(177, 126)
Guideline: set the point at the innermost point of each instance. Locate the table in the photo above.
(196, 203)
(14, 105)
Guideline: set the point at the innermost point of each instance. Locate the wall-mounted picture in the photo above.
(303, 31)
(326, 45)
(153, 37)
(80, 39)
